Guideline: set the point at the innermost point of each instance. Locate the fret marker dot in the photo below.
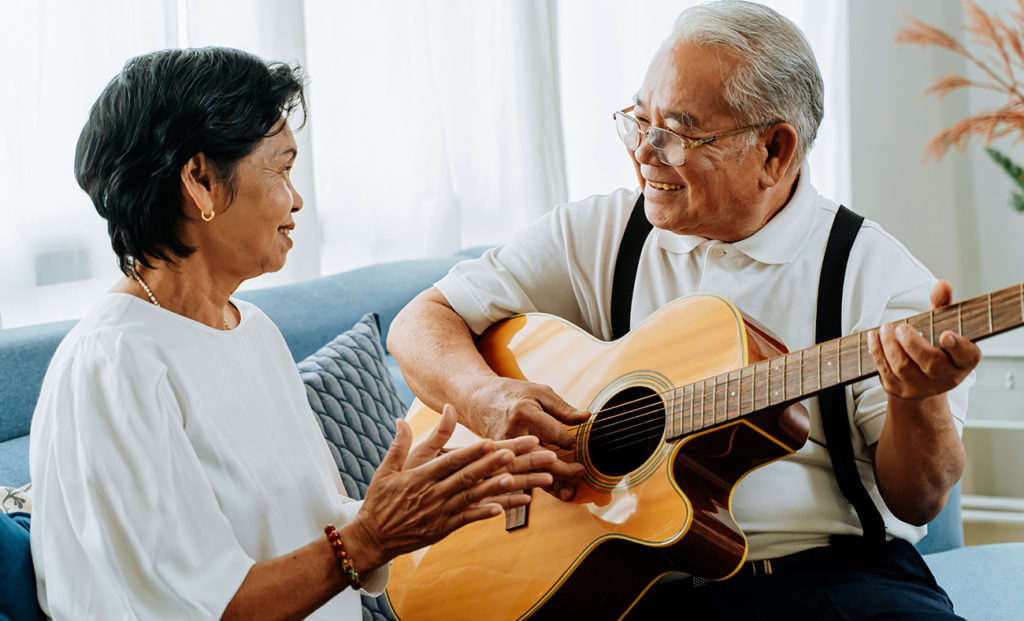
(732, 394)
(829, 363)
(776, 393)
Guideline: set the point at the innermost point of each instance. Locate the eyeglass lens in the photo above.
(666, 145)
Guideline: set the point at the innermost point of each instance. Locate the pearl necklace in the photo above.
(152, 298)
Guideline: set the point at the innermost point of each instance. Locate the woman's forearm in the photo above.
(293, 585)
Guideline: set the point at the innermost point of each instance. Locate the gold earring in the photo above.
(208, 218)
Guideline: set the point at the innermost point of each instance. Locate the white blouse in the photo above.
(167, 457)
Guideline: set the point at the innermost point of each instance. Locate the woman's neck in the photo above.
(188, 287)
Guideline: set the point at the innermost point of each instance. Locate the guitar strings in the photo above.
(627, 419)
(787, 367)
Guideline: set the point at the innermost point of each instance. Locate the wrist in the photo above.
(922, 405)
(363, 548)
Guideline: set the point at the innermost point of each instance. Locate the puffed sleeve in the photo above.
(126, 525)
(528, 274)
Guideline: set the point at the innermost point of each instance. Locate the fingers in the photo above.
(941, 294)
(510, 500)
(540, 459)
(432, 445)
(561, 410)
(528, 417)
(395, 458)
(911, 367)
(520, 445)
(962, 352)
(471, 514)
(875, 349)
(494, 487)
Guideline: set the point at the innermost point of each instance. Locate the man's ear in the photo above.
(200, 185)
(780, 142)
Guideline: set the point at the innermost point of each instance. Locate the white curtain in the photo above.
(437, 123)
(434, 125)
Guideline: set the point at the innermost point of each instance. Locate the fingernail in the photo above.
(565, 494)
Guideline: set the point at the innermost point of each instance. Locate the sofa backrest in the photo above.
(24, 356)
(309, 314)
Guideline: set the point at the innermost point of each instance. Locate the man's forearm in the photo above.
(437, 355)
(918, 458)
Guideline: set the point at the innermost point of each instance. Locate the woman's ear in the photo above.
(200, 185)
(780, 143)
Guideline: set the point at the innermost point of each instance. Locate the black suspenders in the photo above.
(832, 401)
(834, 416)
(625, 267)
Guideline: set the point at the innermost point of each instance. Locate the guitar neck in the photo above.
(804, 373)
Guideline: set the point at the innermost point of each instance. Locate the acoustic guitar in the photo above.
(671, 435)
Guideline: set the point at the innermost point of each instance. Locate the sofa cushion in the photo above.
(981, 580)
(17, 578)
(16, 499)
(356, 401)
(14, 461)
(351, 389)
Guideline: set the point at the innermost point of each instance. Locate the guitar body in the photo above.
(645, 506)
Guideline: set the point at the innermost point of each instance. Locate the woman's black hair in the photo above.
(159, 112)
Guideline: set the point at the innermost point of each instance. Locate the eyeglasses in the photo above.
(669, 146)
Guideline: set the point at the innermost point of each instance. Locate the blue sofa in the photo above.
(983, 581)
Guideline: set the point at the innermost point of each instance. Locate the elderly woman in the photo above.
(179, 471)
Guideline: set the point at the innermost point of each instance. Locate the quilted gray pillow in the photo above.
(356, 401)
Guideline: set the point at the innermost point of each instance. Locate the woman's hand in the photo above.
(420, 497)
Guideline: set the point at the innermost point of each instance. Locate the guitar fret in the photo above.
(687, 412)
(714, 401)
(670, 424)
(839, 359)
(721, 412)
(785, 376)
(801, 372)
(860, 364)
(703, 404)
(989, 299)
(819, 367)
(931, 326)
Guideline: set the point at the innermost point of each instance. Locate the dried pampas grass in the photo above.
(1000, 56)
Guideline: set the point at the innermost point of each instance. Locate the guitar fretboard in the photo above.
(791, 377)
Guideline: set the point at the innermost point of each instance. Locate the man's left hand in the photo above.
(910, 367)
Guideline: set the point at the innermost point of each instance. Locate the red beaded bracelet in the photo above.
(344, 562)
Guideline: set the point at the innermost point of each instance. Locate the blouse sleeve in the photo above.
(126, 523)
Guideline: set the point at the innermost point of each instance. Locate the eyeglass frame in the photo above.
(687, 143)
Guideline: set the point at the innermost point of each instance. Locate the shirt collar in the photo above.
(777, 242)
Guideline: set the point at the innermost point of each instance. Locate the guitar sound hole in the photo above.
(626, 431)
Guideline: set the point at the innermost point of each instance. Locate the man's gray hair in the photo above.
(777, 78)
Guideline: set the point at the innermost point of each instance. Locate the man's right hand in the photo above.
(506, 408)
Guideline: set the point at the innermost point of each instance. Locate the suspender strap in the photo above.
(626, 264)
(832, 401)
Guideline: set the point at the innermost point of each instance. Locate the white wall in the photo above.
(926, 205)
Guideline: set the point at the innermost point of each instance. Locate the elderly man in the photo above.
(719, 131)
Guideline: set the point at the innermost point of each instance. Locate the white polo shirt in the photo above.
(563, 264)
